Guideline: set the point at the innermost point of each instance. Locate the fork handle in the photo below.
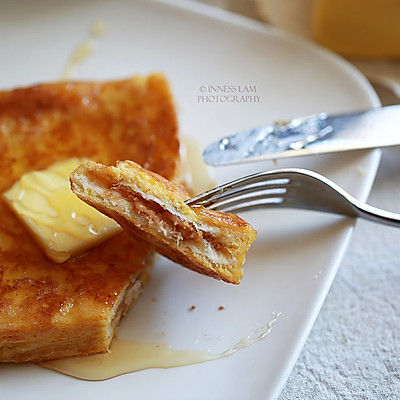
(375, 214)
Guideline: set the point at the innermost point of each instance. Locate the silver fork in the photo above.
(290, 188)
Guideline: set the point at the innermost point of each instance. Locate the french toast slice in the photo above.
(50, 310)
(153, 209)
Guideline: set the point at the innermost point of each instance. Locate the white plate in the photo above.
(294, 260)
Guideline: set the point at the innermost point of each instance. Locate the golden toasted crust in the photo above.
(150, 207)
(53, 311)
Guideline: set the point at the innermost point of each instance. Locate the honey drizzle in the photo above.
(126, 356)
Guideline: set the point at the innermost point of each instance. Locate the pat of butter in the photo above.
(61, 223)
(366, 28)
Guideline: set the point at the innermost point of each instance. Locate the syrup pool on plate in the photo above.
(126, 356)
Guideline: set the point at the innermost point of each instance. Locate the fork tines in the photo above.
(254, 191)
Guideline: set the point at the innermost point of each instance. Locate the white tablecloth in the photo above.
(353, 351)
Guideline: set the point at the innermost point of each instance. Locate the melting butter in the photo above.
(127, 356)
(198, 173)
(84, 49)
(124, 357)
(98, 28)
(59, 221)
